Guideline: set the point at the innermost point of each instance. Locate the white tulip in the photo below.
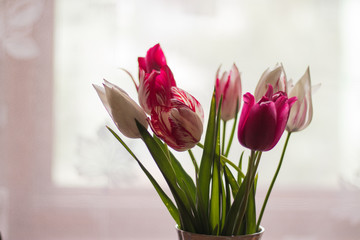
(122, 109)
(275, 77)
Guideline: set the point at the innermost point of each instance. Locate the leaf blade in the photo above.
(165, 199)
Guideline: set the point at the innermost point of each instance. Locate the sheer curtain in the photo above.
(62, 176)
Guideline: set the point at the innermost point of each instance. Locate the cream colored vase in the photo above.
(194, 236)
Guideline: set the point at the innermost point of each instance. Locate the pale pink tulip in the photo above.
(229, 87)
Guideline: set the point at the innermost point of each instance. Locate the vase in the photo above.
(183, 235)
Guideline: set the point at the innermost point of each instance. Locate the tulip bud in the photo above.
(302, 111)
(275, 77)
(229, 86)
(180, 125)
(262, 124)
(122, 109)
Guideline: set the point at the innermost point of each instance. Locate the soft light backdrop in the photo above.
(197, 38)
(62, 176)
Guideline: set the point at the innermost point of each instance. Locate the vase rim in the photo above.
(262, 229)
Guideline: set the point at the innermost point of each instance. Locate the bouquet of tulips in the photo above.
(220, 198)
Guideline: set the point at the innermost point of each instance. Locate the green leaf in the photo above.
(184, 180)
(166, 200)
(240, 177)
(231, 180)
(225, 201)
(163, 162)
(196, 167)
(251, 211)
(203, 187)
(181, 175)
(231, 218)
(238, 208)
(216, 193)
(233, 129)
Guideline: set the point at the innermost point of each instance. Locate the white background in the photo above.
(61, 176)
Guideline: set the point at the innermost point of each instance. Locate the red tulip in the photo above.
(262, 123)
(181, 124)
(154, 60)
(229, 86)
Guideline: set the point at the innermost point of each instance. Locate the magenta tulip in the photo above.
(229, 87)
(180, 125)
(262, 123)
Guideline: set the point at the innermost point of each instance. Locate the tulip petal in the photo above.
(302, 111)
(282, 115)
(122, 109)
(274, 76)
(154, 59)
(260, 127)
(180, 128)
(249, 101)
(101, 93)
(179, 125)
(142, 63)
(181, 97)
(262, 124)
(228, 86)
(155, 88)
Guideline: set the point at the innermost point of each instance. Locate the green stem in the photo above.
(194, 162)
(251, 172)
(223, 138)
(224, 159)
(273, 181)
(232, 131)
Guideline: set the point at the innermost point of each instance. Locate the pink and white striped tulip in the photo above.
(229, 87)
(122, 109)
(154, 88)
(181, 124)
(154, 60)
(276, 77)
(302, 111)
(262, 123)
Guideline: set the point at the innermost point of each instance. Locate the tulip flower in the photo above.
(302, 111)
(154, 88)
(180, 125)
(229, 86)
(262, 123)
(122, 109)
(272, 76)
(154, 60)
